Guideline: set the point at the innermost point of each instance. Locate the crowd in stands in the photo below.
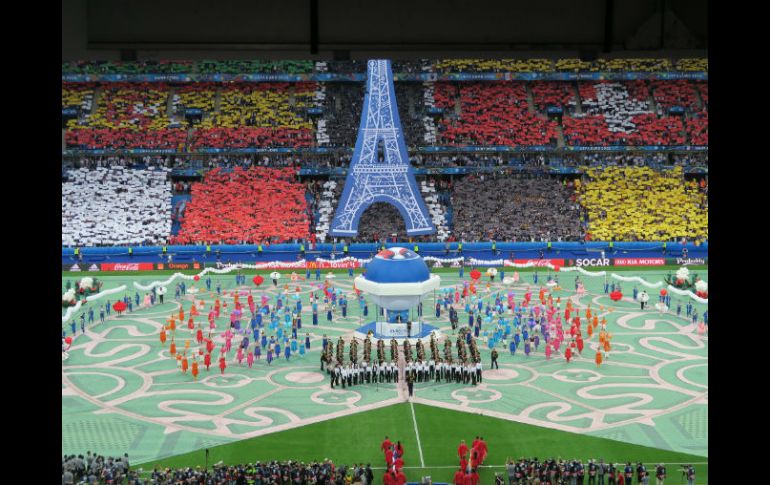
(116, 205)
(553, 94)
(260, 115)
(323, 203)
(79, 96)
(127, 116)
(641, 204)
(525, 162)
(194, 96)
(406, 66)
(490, 113)
(515, 209)
(254, 205)
(124, 199)
(493, 65)
(698, 128)
(619, 113)
(342, 112)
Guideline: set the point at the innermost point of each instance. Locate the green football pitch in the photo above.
(122, 391)
(430, 437)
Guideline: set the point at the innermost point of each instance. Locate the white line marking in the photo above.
(417, 433)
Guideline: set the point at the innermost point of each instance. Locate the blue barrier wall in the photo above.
(291, 252)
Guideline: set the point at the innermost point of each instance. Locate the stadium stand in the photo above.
(79, 96)
(515, 209)
(379, 222)
(342, 112)
(493, 65)
(253, 205)
(194, 96)
(670, 94)
(492, 113)
(116, 205)
(698, 128)
(323, 206)
(132, 67)
(641, 204)
(689, 64)
(258, 115)
(554, 93)
(435, 208)
(405, 66)
(127, 116)
(633, 65)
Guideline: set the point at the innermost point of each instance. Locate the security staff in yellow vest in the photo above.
(494, 247)
(549, 246)
(259, 249)
(77, 254)
(460, 247)
(612, 245)
(345, 249)
(302, 249)
(130, 251)
(416, 248)
(208, 248)
(165, 249)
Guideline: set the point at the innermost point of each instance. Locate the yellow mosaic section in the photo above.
(266, 106)
(122, 108)
(74, 95)
(505, 65)
(640, 203)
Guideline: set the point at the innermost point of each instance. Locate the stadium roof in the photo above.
(194, 29)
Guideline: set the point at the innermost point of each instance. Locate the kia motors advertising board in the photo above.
(640, 261)
(127, 266)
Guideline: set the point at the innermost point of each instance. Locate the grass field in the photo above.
(356, 439)
(122, 392)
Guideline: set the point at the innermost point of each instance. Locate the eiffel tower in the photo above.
(380, 170)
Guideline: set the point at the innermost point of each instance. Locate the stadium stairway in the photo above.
(435, 208)
(578, 101)
(178, 203)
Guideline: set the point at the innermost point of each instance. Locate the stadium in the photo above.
(359, 257)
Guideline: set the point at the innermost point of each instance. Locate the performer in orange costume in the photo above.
(195, 369)
(163, 337)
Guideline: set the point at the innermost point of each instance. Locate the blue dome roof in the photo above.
(397, 265)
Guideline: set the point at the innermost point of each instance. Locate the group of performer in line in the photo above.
(466, 368)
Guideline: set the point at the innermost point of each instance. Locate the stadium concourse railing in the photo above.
(597, 253)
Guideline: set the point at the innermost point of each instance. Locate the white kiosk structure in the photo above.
(397, 280)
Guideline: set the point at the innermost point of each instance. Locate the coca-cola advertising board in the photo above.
(127, 266)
